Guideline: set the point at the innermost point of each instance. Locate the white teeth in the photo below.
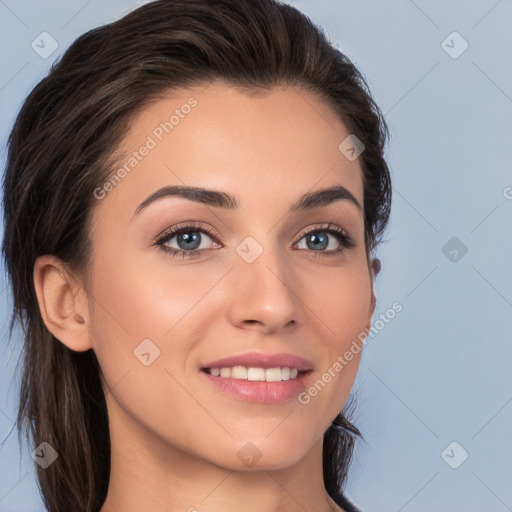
(225, 372)
(239, 372)
(273, 374)
(256, 374)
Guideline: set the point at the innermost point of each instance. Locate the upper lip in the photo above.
(261, 360)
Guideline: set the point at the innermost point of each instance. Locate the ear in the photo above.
(62, 303)
(375, 267)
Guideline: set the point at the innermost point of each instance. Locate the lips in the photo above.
(257, 377)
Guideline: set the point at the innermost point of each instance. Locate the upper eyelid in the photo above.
(191, 226)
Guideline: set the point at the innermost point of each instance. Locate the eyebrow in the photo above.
(307, 201)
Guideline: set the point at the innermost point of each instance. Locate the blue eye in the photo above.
(317, 239)
(190, 240)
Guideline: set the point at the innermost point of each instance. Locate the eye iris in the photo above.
(189, 238)
(319, 241)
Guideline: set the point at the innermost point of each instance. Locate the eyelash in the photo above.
(344, 238)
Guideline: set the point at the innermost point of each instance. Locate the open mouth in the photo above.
(256, 374)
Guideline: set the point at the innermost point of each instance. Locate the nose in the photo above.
(266, 295)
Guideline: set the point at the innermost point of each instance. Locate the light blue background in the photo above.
(441, 370)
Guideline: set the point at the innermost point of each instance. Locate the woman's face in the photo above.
(242, 282)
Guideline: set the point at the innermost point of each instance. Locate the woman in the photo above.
(192, 201)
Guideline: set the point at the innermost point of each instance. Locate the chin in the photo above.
(254, 453)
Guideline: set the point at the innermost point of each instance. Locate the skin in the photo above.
(174, 438)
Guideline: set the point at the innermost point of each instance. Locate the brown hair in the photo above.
(60, 150)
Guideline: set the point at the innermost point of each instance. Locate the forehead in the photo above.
(269, 146)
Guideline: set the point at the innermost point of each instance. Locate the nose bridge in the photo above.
(266, 292)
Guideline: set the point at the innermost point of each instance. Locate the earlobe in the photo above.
(62, 304)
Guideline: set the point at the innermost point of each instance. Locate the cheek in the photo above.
(144, 327)
(342, 303)
(146, 300)
(134, 302)
(343, 309)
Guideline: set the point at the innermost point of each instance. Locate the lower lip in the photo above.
(260, 391)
